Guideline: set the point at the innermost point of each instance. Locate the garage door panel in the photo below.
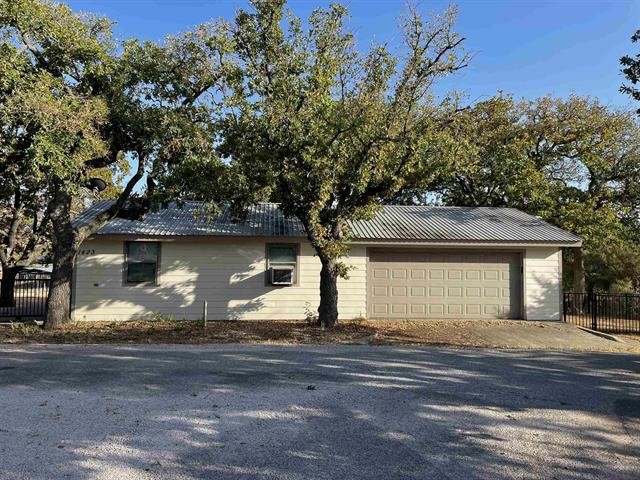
(454, 274)
(399, 308)
(473, 309)
(454, 292)
(491, 275)
(436, 274)
(491, 309)
(380, 291)
(444, 285)
(418, 274)
(436, 291)
(398, 273)
(418, 309)
(473, 292)
(398, 291)
(473, 275)
(380, 308)
(380, 273)
(490, 292)
(436, 309)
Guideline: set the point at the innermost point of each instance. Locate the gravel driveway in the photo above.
(316, 412)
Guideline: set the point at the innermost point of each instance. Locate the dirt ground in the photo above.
(462, 333)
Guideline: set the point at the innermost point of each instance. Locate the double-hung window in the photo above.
(142, 260)
(282, 263)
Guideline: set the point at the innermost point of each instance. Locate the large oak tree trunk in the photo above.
(328, 309)
(7, 285)
(65, 249)
(578, 271)
(59, 300)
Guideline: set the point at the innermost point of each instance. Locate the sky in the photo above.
(523, 47)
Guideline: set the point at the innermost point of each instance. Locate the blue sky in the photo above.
(528, 48)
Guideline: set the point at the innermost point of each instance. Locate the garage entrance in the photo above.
(436, 284)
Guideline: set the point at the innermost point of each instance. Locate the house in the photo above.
(408, 262)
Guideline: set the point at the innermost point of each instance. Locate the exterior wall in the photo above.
(542, 283)
(227, 272)
(230, 274)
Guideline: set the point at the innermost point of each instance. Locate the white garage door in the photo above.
(429, 284)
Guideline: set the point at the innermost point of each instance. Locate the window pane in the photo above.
(282, 254)
(141, 272)
(144, 252)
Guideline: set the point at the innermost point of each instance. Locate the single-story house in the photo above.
(409, 262)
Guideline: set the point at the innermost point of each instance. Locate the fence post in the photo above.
(594, 311)
(204, 313)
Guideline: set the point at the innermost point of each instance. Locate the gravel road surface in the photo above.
(316, 412)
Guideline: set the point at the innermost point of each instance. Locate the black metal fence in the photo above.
(30, 298)
(605, 312)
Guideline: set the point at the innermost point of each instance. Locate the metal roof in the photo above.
(392, 223)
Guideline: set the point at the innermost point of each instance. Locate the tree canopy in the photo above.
(273, 107)
(82, 103)
(574, 162)
(328, 131)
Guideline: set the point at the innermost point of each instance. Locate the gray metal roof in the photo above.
(392, 223)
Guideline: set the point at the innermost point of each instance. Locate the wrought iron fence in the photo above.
(605, 312)
(30, 297)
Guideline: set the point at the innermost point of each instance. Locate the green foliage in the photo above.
(325, 130)
(25, 328)
(494, 168)
(310, 315)
(78, 104)
(574, 162)
(631, 71)
(328, 131)
(82, 104)
(159, 317)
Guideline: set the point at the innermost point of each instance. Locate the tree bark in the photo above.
(578, 271)
(65, 250)
(328, 309)
(59, 300)
(7, 285)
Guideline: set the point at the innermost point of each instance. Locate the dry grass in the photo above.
(187, 332)
(462, 333)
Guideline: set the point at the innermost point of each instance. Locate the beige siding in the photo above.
(228, 273)
(542, 283)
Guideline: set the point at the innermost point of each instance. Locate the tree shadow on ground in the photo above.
(252, 412)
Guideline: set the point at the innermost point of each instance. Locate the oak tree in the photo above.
(574, 162)
(330, 132)
(95, 103)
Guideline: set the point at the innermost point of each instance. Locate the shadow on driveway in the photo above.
(316, 412)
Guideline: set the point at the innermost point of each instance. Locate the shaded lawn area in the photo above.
(461, 333)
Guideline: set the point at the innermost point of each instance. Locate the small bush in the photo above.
(25, 328)
(160, 317)
(310, 315)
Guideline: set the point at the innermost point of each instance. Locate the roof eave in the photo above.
(358, 241)
(469, 243)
